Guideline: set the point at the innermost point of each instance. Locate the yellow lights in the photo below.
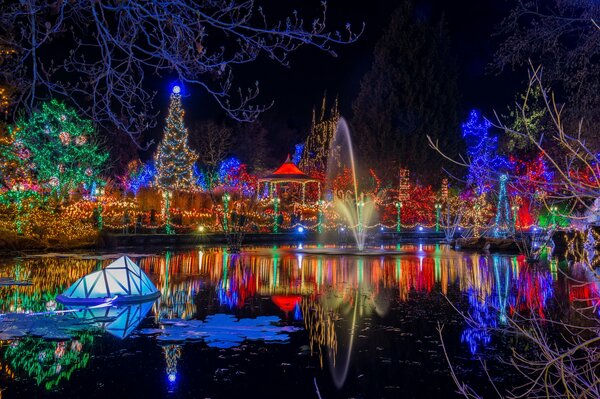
(201, 229)
(7, 51)
(4, 99)
(403, 194)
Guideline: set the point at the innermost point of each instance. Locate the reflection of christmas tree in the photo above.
(172, 354)
(174, 159)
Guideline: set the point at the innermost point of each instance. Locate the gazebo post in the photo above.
(303, 193)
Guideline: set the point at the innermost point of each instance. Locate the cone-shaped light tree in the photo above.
(174, 159)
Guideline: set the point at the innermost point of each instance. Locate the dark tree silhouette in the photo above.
(409, 92)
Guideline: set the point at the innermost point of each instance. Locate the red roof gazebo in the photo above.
(288, 173)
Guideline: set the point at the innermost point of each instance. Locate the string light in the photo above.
(61, 149)
(174, 160)
(316, 149)
(481, 148)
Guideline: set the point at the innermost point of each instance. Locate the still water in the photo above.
(271, 322)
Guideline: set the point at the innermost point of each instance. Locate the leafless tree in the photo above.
(100, 54)
(212, 141)
(452, 215)
(574, 161)
(563, 36)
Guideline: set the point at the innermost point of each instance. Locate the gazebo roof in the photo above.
(288, 172)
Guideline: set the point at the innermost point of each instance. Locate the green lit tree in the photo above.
(174, 159)
(58, 149)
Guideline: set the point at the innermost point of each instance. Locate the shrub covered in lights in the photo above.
(57, 149)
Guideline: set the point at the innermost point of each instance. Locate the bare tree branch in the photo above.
(100, 54)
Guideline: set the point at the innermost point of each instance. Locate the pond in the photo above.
(271, 322)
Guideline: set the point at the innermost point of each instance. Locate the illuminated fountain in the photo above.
(342, 181)
(351, 203)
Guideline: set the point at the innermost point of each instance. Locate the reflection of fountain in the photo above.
(347, 200)
(333, 320)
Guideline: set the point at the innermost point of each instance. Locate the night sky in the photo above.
(297, 89)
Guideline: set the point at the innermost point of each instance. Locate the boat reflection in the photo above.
(119, 321)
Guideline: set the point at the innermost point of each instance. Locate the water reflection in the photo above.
(334, 297)
(47, 362)
(119, 321)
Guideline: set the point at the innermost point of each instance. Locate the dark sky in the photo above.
(297, 89)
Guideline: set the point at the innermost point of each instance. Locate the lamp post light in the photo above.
(226, 198)
(167, 195)
(438, 209)
(515, 210)
(275, 215)
(98, 193)
(320, 216)
(398, 216)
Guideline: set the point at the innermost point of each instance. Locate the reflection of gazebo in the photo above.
(287, 303)
(288, 173)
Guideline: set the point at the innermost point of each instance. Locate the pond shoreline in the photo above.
(14, 245)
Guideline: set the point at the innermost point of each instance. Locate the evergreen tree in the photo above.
(409, 93)
(174, 159)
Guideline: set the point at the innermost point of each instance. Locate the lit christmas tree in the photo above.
(174, 159)
(504, 222)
